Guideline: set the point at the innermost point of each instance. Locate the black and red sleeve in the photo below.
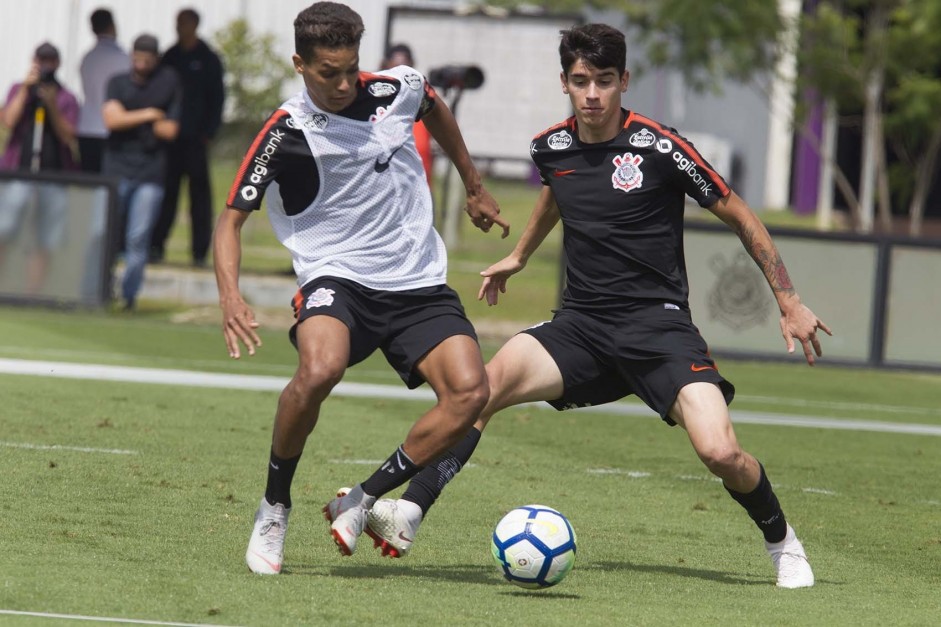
(265, 160)
(428, 101)
(693, 173)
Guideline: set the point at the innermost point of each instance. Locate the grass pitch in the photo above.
(146, 514)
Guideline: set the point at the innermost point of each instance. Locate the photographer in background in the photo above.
(41, 115)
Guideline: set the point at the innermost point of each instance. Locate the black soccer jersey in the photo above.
(621, 204)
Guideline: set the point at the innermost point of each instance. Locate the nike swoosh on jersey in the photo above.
(382, 166)
(696, 368)
(562, 172)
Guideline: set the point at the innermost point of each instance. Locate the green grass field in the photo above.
(150, 523)
(134, 501)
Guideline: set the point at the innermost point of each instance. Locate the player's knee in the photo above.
(723, 460)
(317, 378)
(500, 384)
(469, 398)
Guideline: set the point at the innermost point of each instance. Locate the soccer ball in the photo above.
(534, 546)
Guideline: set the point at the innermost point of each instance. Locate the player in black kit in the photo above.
(618, 180)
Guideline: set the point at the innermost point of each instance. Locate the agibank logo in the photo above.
(263, 158)
(687, 165)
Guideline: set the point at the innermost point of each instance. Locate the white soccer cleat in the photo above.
(347, 517)
(265, 552)
(790, 562)
(392, 525)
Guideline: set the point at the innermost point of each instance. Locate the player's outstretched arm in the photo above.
(238, 320)
(483, 210)
(544, 217)
(797, 320)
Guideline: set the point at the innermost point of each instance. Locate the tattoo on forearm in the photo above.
(769, 261)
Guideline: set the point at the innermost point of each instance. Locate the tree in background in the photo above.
(913, 124)
(878, 59)
(883, 58)
(705, 40)
(254, 78)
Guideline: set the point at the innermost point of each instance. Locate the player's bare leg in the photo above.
(323, 346)
(455, 371)
(701, 410)
(521, 371)
(323, 353)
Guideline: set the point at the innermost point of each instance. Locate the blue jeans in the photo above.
(140, 205)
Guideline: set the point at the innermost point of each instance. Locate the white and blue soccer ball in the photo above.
(534, 546)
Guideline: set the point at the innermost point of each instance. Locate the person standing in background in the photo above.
(41, 115)
(142, 111)
(200, 71)
(99, 64)
(40, 108)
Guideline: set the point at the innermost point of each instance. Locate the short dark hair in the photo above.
(146, 43)
(46, 52)
(101, 21)
(402, 49)
(328, 25)
(189, 14)
(599, 45)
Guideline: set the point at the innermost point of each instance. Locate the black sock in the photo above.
(394, 472)
(427, 485)
(280, 476)
(763, 507)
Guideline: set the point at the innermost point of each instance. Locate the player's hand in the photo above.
(484, 212)
(802, 324)
(495, 278)
(238, 325)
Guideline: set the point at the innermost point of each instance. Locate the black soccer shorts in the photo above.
(405, 325)
(652, 352)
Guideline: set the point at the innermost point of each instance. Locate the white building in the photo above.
(744, 131)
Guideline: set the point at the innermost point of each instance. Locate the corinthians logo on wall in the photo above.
(739, 297)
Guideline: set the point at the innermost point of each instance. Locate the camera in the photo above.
(457, 76)
(47, 76)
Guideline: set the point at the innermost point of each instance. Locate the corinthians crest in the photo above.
(315, 121)
(627, 173)
(739, 298)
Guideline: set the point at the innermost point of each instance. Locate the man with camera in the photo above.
(41, 115)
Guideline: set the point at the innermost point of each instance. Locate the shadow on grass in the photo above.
(738, 579)
(463, 574)
(487, 576)
(545, 594)
(457, 573)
